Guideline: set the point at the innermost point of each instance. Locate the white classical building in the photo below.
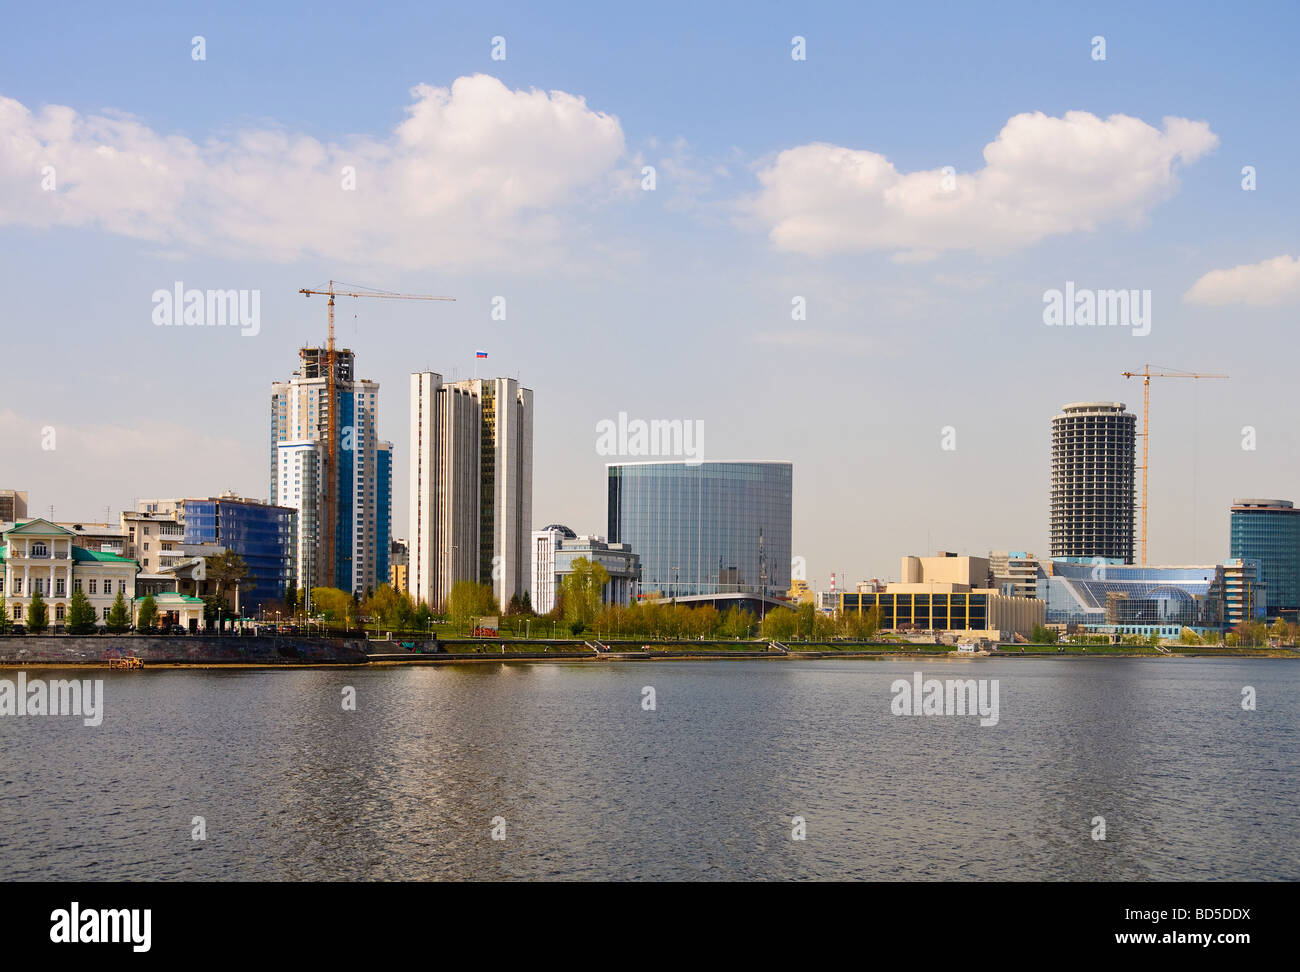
(40, 556)
(555, 549)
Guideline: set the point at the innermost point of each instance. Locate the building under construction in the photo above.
(343, 531)
(1092, 482)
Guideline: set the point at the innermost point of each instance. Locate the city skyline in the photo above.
(677, 303)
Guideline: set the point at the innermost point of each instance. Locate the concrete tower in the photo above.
(1092, 482)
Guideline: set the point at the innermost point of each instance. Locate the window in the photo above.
(146, 546)
(58, 612)
(106, 614)
(76, 583)
(58, 588)
(94, 586)
(121, 587)
(18, 585)
(39, 549)
(18, 612)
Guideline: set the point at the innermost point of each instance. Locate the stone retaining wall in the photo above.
(190, 649)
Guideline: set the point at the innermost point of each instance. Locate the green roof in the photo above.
(81, 556)
(171, 597)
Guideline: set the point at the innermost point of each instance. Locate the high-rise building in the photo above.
(383, 538)
(13, 505)
(705, 528)
(1092, 483)
(343, 533)
(1268, 530)
(471, 486)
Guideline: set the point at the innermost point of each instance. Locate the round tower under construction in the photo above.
(1093, 447)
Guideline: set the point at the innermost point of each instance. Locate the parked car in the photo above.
(178, 629)
(18, 629)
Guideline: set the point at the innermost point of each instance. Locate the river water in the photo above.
(590, 784)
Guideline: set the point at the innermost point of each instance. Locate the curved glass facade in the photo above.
(1118, 594)
(1269, 531)
(704, 528)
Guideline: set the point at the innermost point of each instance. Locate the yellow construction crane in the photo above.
(330, 476)
(1146, 374)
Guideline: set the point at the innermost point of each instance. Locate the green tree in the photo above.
(38, 616)
(873, 621)
(291, 600)
(81, 614)
(227, 570)
(736, 623)
(1189, 637)
(780, 624)
(4, 616)
(146, 619)
(331, 603)
(469, 599)
(583, 588)
(1043, 635)
(119, 617)
(423, 617)
(393, 608)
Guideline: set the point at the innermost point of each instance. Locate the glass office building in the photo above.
(704, 528)
(1133, 598)
(263, 535)
(383, 510)
(1268, 530)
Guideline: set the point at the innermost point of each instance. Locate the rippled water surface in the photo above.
(591, 785)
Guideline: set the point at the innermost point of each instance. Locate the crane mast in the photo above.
(330, 472)
(1146, 374)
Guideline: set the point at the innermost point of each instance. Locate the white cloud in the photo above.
(477, 172)
(1264, 284)
(1042, 176)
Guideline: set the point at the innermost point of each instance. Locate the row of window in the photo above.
(60, 612)
(39, 586)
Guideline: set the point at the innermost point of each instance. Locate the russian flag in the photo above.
(480, 354)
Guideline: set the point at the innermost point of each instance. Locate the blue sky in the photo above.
(673, 303)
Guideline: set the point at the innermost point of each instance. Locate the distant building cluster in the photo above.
(684, 532)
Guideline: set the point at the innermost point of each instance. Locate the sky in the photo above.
(844, 261)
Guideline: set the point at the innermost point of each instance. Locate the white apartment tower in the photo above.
(471, 486)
